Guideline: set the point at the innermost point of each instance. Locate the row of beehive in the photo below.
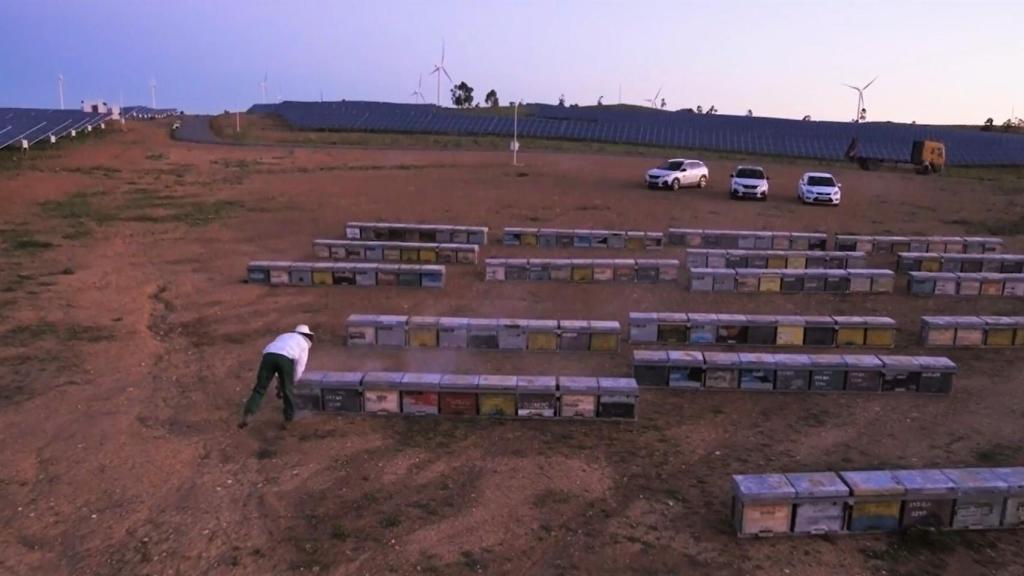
(747, 239)
(972, 331)
(580, 270)
(345, 274)
(483, 333)
(897, 244)
(686, 369)
(396, 251)
(774, 259)
(421, 393)
(878, 501)
(429, 233)
(791, 281)
(965, 284)
(938, 262)
(565, 238)
(761, 329)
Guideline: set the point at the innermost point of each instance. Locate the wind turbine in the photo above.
(60, 88)
(152, 91)
(440, 69)
(862, 112)
(654, 101)
(263, 89)
(417, 92)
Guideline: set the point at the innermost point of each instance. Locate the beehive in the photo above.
(761, 330)
(703, 328)
(900, 374)
(770, 281)
(599, 238)
(573, 335)
(937, 374)
(458, 394)
(837, 281)
(420, 393)
(850, 330)
(732, 329)
(757, 371)
(387, 275)
(581, 239)
(495, 269)
(647, 270)
(717, 259)
(789, 331)
(701, 279)
(724, 280)
(529, 237)
(650, 367)
(685, 369)
(389, 254)
(928, 502)
(381, 392)
(721, 370)
(879, 331)
(517, 269)
(625, 270)
(860, 281)
(538, 271)
(542, 334)
(361, 329)
(582, 271)
(696, 258)
(780, 240)
(258, 272)
(643, 327)
(828, 372)
(967, 285)
(736, 259)
(604, 270)
(981, 495)
(819, 331)
(1013, 285)
(563, 239)
(409, 276)
(423, 331)
(512, 334)
(999, 330)
(536, 396)
(391, 330)
(864, 373)
(970, 331)
(482, 333)
(878, 499)
(560, 270)
(452, 332)
(604, 336)
(547, 238)
(668, 270)
(617, 240)
(1013, 513)
(762, 240)
(323, 274)
(792, 281)
(497, 395)
(821, 502)
(814, 280)
(747, 280)
(991, 285)
(921, 283)
(617, 398)
(938, 330)
(762, 504)
(366, 274)
(300, 275)
(792, 372)
(796, 261)
(776, 261)
(578, 396)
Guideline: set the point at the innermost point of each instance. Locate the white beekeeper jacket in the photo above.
(294, 346)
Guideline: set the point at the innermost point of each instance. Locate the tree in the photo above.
(491, 99)
(462, 95)
(561, 100)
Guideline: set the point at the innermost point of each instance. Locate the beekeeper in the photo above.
(285, 358)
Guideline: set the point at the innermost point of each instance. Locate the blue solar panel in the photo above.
(34, 125)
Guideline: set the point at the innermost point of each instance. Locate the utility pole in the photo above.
(515, 134)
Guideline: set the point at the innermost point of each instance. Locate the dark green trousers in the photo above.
(274, 365)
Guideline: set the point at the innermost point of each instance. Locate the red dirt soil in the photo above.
(130, 344)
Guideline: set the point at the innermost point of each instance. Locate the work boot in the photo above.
(243, 422)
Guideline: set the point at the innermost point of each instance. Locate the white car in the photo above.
(749, 182)
(676, 173)
(819, 188)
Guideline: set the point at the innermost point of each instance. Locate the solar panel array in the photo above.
(35, 124)
(650, 127)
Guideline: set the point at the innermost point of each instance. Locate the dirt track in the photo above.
(131, 342)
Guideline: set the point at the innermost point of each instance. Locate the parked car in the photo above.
(819, 188)
(749, 182)
(677, 173)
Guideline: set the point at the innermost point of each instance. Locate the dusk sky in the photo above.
(937, 62)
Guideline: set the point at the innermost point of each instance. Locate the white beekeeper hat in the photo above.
(304, 330)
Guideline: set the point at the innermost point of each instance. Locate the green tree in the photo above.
(491, 99)
(462, 95)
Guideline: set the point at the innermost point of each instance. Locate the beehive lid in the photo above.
(975, 480)
(311, 379)
(700, 251)
(835, 273)
(494, 261)
(578, 385)
(459, 382)
(383, 380)
(319, 266)
(947, 239)
(761, 320)
(985, 239)
(643, 317)
(483, 323)
(808, 235)
(819, 321)
(757, 360)
(1004, 321)
(830, 361)
(512, 323)
(939, 321)
(791, 320)
(362, 320)
(863, 361)
(925, 482)
(452, 322)
(1014, 478)
(421, 381)
(700, 318)
(879, 322)
(969, 322)
(732, 319)
(424, 321)
(721, 359)
(623, 262)
(497, 382)
(762, 487)
(899, 363)
(685, 358)
(521, 261)
(848, 321)
(605, 326)
(391, 320)
(348, 380)
(519, 230)
(581, 262)
(817, 485)
(542, 325)
(671, 262)
(861, 273)
(702, 271)
(549, 231)
(936, 363)
(651, 262)
(891, 239)
(872, 483)
(723, 272)
(618, 386)
(793, 361)
(650, 357)
(603, 262)
(685, 231)
(536, 384)
(573, 325)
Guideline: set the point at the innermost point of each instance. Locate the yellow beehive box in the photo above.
(880, 332)
(528, 238)
(422, 331)
(796, 262)
(931, 264)
(850, 330)
(790, 331)
(999, 330)
(770, 283)
(542, 335)
(582, 271)
(410, 254)
(428, 255)
(776, 261)
(604, 336)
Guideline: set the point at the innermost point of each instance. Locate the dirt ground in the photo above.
(129, 341)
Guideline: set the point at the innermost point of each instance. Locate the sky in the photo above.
(939, 61)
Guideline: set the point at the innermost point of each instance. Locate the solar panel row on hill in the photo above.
(681, 129)
(147, 113)
(32, 125)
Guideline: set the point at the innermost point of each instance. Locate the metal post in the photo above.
(515, 133)
(238, 123)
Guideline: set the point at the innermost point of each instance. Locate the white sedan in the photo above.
(677, 173)
(819, 188)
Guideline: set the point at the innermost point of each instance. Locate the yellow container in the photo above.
(528, 239)
(392, 254)
(796, 262)
(410, 255)
(583, 273)
(850, 336)
(1018, 339)
(604, 342)
(542, 341)
(497, 404)
(428, 255)
(931, 266)
(423, 337)
(323, 277)
(999, 337)
(635, 243)
(769, 284)
(776, 262)
(789, 335)
(881, 337)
